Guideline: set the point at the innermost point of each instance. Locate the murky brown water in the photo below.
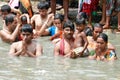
(48, 67)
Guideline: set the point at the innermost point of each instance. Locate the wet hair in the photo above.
(82, 15)
(97, 25)
(59, 16)
(5, 8)
(88, 31)
(69, 24)
(9, 18)
(27, 28)
(24, 19)
(43, 5)
(104, 37)
(80, 21)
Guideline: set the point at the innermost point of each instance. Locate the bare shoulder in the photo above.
(57, 45)
(4, 33)
(35, 16)
(82, 34)
(16, 43)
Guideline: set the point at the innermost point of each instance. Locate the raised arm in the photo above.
(85, 40)
(7, 37)
(45, 25)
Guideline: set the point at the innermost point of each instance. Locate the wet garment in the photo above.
(13, 3)
(87, 6)
(25, 7)
(109, 7)
(109, 54)
(62, 47)
(52, 30)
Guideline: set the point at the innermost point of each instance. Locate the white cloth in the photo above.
(13, 3)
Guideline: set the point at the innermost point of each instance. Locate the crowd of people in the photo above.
(75, 39)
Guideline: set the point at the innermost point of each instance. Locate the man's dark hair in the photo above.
(43, 5)
(5, 8)
(97, 25)
(9, 18)
(80, 21)
(23, 19)
(27, 28)
(69, 24)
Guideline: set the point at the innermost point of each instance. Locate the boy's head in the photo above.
(27, 28)
(80, 24)
(27, 32)
(58, 20)
(5, 9)
(43, 7)
(24, 20)
(11, 21)
(68, 29)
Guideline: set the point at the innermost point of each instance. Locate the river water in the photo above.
(48, 67)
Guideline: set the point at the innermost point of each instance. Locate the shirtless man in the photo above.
(66, 44)
(26, 47)
(40, 18)
(12, 29)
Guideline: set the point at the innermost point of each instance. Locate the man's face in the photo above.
(97, 31)
(13, 24)
(4, 14)
(43, 12)
(68, 33)
(26, 36)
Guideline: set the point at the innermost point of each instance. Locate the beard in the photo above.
(69, 36)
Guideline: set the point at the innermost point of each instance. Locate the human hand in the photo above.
(73, 55)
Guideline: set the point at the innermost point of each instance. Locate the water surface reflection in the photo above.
(48, 67)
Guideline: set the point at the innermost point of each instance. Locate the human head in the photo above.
(11, 21)
(68, 29)
(27, 33)
(82, 15)
(43, 7)
(24, 20)
(102, 41)
(97, 29)
(58, 20)
(5, 9)
(80, 24)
